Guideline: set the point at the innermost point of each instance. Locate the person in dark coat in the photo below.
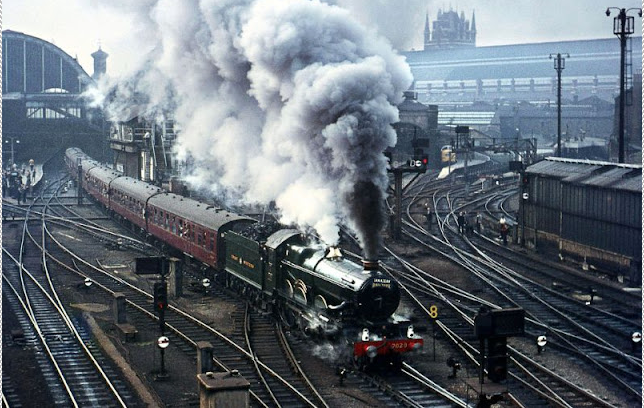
(21, 189)
(504, 231)
(23, 193)
(478, 223)
(461, 222)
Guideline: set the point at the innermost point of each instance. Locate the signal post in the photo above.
(150, 266)
(493, 327)
(416, 164)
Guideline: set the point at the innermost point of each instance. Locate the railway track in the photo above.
(544, 309)
(78, 373)
(185, 331)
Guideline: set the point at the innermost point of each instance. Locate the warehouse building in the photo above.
(587, 211)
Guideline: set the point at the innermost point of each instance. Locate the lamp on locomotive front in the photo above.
(333, 253)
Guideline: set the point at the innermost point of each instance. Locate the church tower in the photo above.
(473, 29)
(450, 30)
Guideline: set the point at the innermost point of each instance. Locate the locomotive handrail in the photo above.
(315, 274)
(341, 306)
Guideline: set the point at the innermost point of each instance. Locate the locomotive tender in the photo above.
(308, 287)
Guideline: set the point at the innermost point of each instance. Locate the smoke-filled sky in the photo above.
(77, 26)
(277, 101)
(280, 101)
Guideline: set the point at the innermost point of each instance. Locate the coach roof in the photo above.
(104, 174)
(136, 189)
(198, 212)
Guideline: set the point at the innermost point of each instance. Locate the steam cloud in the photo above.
(285, 101)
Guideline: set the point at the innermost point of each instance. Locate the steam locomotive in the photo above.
(312, 288)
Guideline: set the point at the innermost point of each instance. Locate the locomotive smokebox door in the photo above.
(370, 264)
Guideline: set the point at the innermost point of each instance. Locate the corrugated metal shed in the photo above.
(616, 176)
(595, 204)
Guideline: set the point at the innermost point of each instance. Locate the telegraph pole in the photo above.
(560, 64)
(463, 133)
(623, 26)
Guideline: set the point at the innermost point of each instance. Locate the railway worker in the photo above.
(15, 185)
(469, 223)
(25, 188)
(21, 194)
(504, 230)
(342, 373)
(429, 218)
(478, 222)
(460, 220)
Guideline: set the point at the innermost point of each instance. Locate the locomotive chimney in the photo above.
(369, 265)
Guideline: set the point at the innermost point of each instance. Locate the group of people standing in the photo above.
(16, 183)
(467, 222)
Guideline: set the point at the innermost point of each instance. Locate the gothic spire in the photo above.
(427, 32)
(473, 26)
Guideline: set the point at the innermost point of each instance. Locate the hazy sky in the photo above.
(77, 26)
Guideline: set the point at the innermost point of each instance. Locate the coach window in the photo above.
(173, 224)
(212, 241)
(199, 237)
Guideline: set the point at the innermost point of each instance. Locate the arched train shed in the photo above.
(42, 107)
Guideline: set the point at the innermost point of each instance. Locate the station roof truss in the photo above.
(42, 79)
(31, 65)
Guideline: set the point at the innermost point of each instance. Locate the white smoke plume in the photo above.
(284, 101)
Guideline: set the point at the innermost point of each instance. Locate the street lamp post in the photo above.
(11, 140)
(560, 64)
(623, 26)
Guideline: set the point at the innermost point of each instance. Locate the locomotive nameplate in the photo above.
(381, 283)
